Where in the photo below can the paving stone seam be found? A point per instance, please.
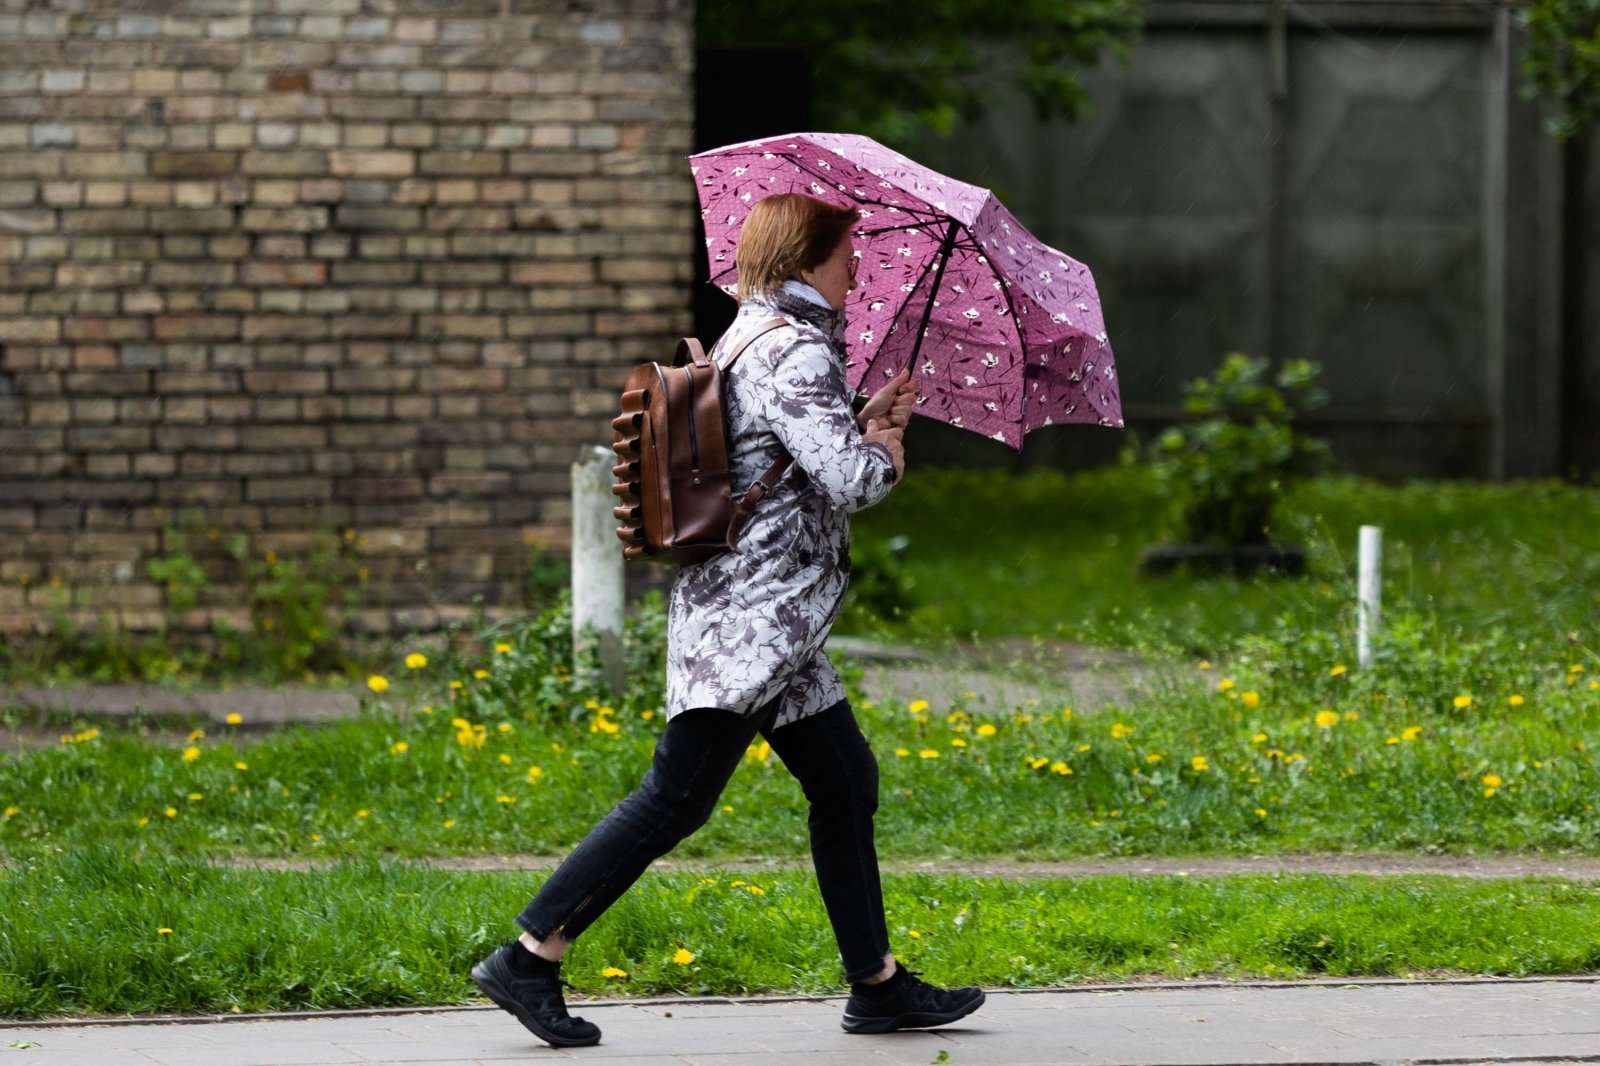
(688, 1001)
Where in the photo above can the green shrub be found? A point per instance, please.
(1225, 470)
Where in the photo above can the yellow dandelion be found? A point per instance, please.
(1489, 792)
(613, 971)
(457, 686)
(1118, 730)
(502, 648)
(957, 742)
(755, 890)
(196, 797)
(683, 956)
(986, 730)
(1492, 780)
(399, 747)
(1251, 699)
(1327, 719)
(647, 714)
(728, 807)
(480, 674)
(1335, 671)
(913, 934)
(1392, 740)
(902, 752)
(377, 682)
(144, 821)
(196, 734)
(1259, 738)
(1225, 684)
(917, 706)
(505, 760)
(1059, 767)
(449, 823)
(605, 725)
(1084, 747)
(1203, 664)
(362, 813)
(12, 812)
(927, 753)
(241, 766)
(1153, 757)
(1034, 764)
(1352, 716)
(171, 812)
(1462, 702)
(191, 753)
(235, 718)
(416, 661)
(1261, 812)
(164, 931)
(1199, 764)
(1411, 732)
(504, 799)
(534, 773)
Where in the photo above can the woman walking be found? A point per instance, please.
(744, 643)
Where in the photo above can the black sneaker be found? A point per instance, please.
(905, 1001)
(535, 999)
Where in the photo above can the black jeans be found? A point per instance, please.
(693, 761)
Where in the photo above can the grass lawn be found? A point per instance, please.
(164, 935)
(1475, 731)
(1055, 556)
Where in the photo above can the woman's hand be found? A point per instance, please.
(889, 437)
(891, 405)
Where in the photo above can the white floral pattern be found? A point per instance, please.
(1030, 312)
(747, 626)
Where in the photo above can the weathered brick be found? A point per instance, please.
(294, 381)
(193, 164)
(196, 327)
(382, 219)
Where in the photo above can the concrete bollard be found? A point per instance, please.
(1369, 591)
(597, 583)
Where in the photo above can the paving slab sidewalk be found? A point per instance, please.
(1216, 1024)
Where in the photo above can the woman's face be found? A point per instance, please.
(836, 275)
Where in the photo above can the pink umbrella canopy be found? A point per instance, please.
(1003, 333)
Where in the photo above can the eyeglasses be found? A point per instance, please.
(851, 264)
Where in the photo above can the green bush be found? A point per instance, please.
(1226, 469)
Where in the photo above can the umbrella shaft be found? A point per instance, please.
(945, 248)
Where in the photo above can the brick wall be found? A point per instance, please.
(372, 268)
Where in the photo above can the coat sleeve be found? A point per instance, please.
(808, 408)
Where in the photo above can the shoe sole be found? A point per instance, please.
(855, 1024)
(492, 988)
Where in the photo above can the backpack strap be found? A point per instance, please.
(766, 327)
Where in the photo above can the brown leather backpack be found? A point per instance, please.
(672, 470)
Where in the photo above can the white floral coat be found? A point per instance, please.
(747, 626)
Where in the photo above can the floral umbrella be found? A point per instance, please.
(1003, 333)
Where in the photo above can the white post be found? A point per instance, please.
(597, 599)
(1369, 591)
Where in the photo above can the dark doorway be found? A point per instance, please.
(741, 94)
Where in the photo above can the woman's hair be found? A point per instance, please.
(785, 234)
